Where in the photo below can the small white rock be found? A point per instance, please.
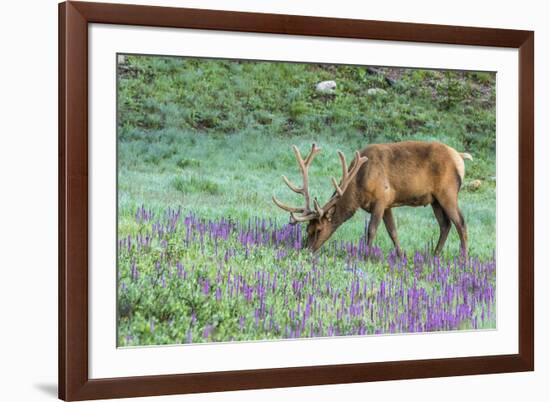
(474, 185)
(326, 87)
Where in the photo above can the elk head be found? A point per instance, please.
(320, 220)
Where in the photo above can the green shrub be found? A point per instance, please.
(186, 163)
(193, 184)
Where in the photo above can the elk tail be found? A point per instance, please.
(466, 155)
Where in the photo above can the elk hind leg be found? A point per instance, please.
(444, 226)
(449, 203)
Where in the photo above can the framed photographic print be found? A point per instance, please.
(260, 200)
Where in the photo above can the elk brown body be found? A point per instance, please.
(382, 177)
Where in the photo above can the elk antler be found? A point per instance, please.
(306, 212)
(347, 177)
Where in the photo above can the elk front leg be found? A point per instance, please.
(375, 217)
(392, 231)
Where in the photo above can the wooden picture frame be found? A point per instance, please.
(74, 381)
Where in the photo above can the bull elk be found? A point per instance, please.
(411, 173)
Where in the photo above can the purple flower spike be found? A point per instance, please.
(207, 331)
(206, 287)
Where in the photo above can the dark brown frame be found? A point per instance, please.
(74, 383)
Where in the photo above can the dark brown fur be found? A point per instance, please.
(405, 173)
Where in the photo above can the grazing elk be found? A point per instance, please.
(409, 173)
